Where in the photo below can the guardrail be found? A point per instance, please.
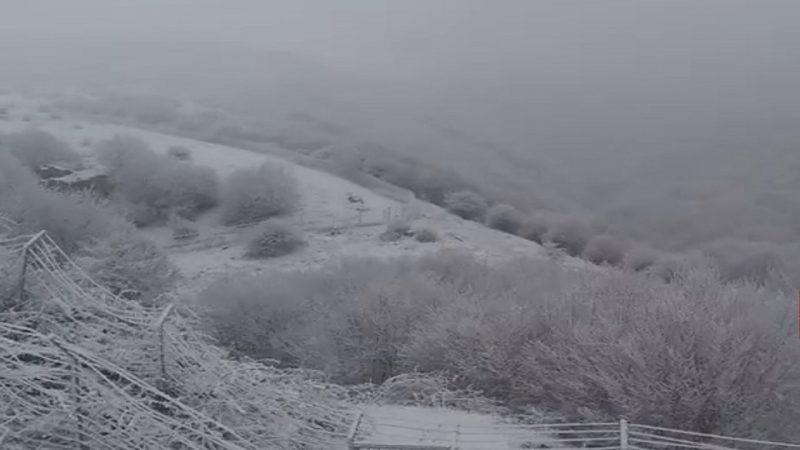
(393, 433)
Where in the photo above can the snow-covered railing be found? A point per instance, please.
(652, 437)
(83, 368)
(394, 433)
(6, 225)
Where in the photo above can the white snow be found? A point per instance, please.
(442, 427)
(333, 226)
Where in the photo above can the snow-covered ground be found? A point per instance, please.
(442, 427)
(334, 226)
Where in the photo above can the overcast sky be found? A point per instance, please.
(560, 73)
(424, 38)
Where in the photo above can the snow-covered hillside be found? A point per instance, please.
(338, 217)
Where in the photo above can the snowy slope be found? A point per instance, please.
(444, 428)
(333, 226)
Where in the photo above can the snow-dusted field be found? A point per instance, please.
(333, 226)
(441, 427)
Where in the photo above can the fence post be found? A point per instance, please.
(351, 436)
(24, 271)
(22, 274)
(623, 434)
(160, 325)
(454, 445)
(76, 390)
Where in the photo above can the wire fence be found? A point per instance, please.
(370, 432)
(6, 225)
(81, 368)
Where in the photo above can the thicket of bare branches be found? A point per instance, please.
(83, 368)
(251, 195)
(153, 187)
(716, 357)
(34, 147)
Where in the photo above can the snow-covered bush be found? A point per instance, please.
(533, 228)
(640, 258)
(426, 235)
(251, 195)
(467, 205)
(107, 245)
(153, 186)
(426, 179)
(180, 153)
(350, 319)
(183, 230)
(665, 267)
(604, 249)
(274, 239)
(396, 230)
(251, 314)
(72, 220)
(9, 276)
(568, 233)
(504, 217)
(128, 265)
(722, 354)
(34, 147)
(757, 262)
(534, 332)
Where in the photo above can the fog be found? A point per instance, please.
(476, 218)
(668, 121)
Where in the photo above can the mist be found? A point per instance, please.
(319, 224)
(645, 115)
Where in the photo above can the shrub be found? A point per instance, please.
(183, 230)
(396, 229)
(426, 235)
(604, 249)
(72, 220)
(9, 276)
(665, 267)
(756, 262)
(251, 315)
(568, 233)
(191, 188)
(180, 153)
(349, 319)
(34, 148)
(640, 258)
(129, 265)
(504, 217)
(467, 205)
(104, 243)
(251, 195)
(717, 352)
(274, 239)
(152, 186)
(425, 180)
(584, 344)
(533, 228)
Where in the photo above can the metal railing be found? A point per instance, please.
(85, 304)
(395, 433)
(123, 368)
